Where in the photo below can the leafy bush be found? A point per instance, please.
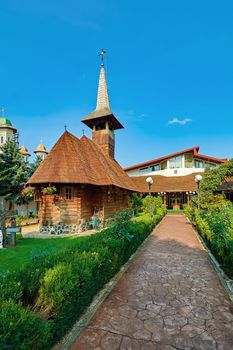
(212, 178)
(136, 202)
(119, 224)
(21, 329)
(215, 220)
(216, 228)
(152, 205)
(11, 287)
(59, 285)
(56, 287)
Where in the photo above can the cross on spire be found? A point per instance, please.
(65, 126)
(102, 53)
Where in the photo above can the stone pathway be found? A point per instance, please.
(169, 298)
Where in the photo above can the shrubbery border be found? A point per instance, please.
(225, 280)
(55, 289)
(70, 337)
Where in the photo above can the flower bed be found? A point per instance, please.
(39, 303)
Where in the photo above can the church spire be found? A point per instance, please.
(102, 121)
(102, 96)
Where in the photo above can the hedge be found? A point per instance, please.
(40, 303)
(216, 228)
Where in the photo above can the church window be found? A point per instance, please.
(69, 193)
(1, 139)
(175, 162)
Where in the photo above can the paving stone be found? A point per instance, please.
(130, 344)
(110, 341)
(90, 339)
(169, 298)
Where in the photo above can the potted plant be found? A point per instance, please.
(27, 193)
(49, 193)
(49, 190)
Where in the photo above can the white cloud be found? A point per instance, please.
(179, 121)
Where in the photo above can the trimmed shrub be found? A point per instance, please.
(11, 287)
(59, 285)
(151, 205)
(119, 224)
(21, 329)
(216, 228)
(56, 287)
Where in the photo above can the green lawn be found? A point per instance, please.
(175, 211)
(13, 258)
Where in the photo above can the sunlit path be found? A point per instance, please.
(170, 298)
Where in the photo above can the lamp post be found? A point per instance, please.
(150, 182)
(198, 179)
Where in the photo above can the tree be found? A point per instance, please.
(151, 205)
(212, 179)
(136, 202)
(14, 172)
(33, 166)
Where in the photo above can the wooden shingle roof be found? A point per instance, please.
(82, 161)
(167, 183)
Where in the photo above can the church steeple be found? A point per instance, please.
(102, 97)
(102, 121)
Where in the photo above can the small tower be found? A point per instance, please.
(24, 152)
(7, 131)
(41, 151)
(102, 121)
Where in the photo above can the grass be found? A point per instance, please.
(175, 211)
(12, 258)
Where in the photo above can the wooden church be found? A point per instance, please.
(87, 179)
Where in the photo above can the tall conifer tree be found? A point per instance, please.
(14, 171)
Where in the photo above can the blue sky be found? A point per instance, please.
(167, 61)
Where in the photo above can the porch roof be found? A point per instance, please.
(167, 183)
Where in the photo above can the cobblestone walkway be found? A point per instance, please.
(169, 298)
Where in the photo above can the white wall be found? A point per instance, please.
(168, 172)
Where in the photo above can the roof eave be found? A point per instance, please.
(98, 115)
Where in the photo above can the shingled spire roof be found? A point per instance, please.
(102, 97)
(80, 161)
(102, 111)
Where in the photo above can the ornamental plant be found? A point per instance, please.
(119, 224)
(27, 193)
(49, 190)
(151, 205)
